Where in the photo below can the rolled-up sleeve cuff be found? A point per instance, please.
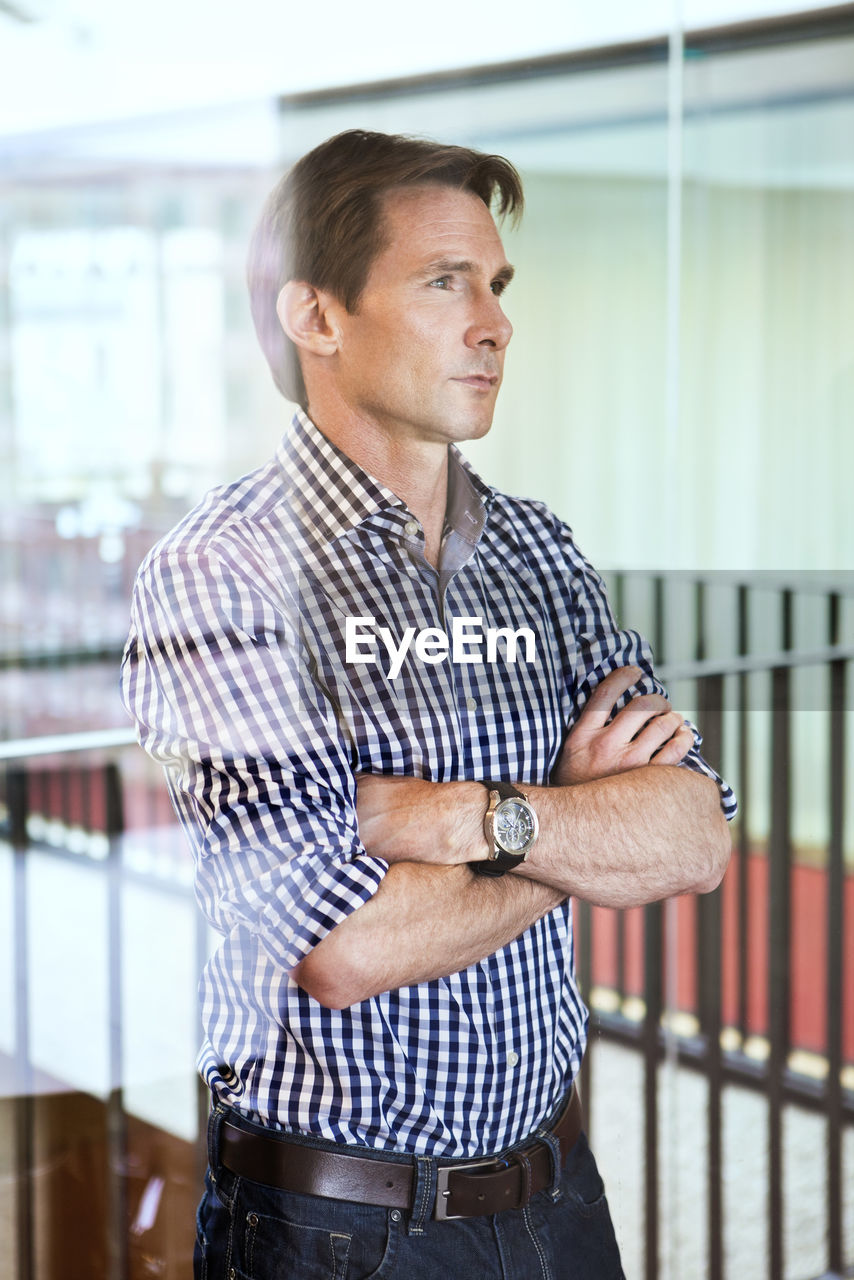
(693, 760)
(306, 905)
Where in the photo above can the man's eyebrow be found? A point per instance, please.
(449, 266)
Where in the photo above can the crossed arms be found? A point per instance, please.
(622, 825)
(234, 713)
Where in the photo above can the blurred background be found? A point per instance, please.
(680, 388)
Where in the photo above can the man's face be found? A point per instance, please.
(423, 355)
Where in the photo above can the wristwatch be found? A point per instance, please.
(511, 829)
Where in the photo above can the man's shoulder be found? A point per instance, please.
(527, 530)
(227, 566)
(531, 510)
(529, 527)
(231, 519)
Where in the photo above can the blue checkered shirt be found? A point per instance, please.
(236, 673)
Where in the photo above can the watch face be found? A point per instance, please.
(514, 826)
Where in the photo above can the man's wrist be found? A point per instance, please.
(472, 808)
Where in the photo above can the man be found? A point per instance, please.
(402, 730)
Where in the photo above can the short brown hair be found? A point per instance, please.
(322, 222)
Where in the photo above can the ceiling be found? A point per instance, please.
(71, 62)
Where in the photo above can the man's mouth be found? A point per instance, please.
(480, 381)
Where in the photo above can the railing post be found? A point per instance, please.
(743, 817)
(779, 945)
(117, 1141)
(835, 950)
(652, 936)
(24, 1109)
(709, 920)
(619, 602)
(659, 622)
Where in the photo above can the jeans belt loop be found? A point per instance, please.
(557, 1161)
(216, 1116)
(424, 1194)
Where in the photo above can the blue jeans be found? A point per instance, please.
(247, 1231)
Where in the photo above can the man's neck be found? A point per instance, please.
(415, 470)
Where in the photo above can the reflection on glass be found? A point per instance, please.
(133, 383)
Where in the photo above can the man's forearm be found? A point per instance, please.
(424, 922)
(631, 838)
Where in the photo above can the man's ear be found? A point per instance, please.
(307, 316)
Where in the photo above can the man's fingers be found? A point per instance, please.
(602, 700)
(629, 722)
(676, 748)
(654, 734)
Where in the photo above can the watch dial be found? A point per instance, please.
(513, 826)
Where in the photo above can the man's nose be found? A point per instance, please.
(490, 326)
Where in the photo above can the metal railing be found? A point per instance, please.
(716, 1048)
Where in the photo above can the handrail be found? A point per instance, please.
(800, 581)
(66, 743)
(35, 659)
(748, 664)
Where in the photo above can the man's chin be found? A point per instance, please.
(469, 426)
(477, 430)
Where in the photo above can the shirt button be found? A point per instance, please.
(512, 1058)
(471, 703)
(411, 528)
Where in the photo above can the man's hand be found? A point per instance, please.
(646, 731)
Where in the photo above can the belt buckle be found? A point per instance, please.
(443, 1173)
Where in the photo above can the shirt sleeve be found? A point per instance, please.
(602, 647)
(219, 683)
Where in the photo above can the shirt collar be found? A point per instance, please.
(468, 498)
(331, 494)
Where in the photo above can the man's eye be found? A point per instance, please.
(498, 287)
(443, 282)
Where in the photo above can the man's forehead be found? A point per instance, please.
(430, 219)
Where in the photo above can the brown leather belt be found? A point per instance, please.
(465, 1188)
